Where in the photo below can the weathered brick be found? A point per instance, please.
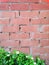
(40, 35)
(33, 28)
(4, 6)
(29, 14)
(4, 36)
(44, 14)
(40, 50)
(29, 43)
(19, 6)
(4, 21)
(15, 36)
(35, 21)
(9, 43)
(29, 0)
(39, 6)
(7, 1)
(39, 21)
(22, 49)
(13, 1)
(4, 0)
(45, 28)
(46, 57)
(20, 21)
(47, 1)
(8, 14)
(24, 25)
(44, 43)
(8, 28)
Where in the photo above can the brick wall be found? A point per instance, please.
(24, 26)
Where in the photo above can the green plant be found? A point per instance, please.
(18, 58)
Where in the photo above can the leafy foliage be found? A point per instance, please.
(18, 58)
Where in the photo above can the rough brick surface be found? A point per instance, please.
(19, 6)
(39, 6)
(24, 26)
(47, 1)
(4, 6)
(29, 0)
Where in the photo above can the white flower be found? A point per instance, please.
(34, 63)
(17, 52)
(9, 52)
(32, 58)
(8, 55)
(26, 56)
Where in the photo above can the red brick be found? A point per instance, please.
(28, 14)
(39, 21)
(19, 1)
(35, 21)
(19, 6)
(40, 50)
(45, 28)
(44, 42)
(47, 50)
(4, 6)
(20, 21)
(40, 35)
(29, 0)
(47, 1)
(22, 49)
(33, 28)
(4, 21)
(44, 14)
(15, 36)
(4, 36)
(8, 28)
(9, 43)
(30, 27)
(45, 57)
(39, 6)
(8, 14)
(6, 1)
(15, 48)
(44, 21)
(13, 0)
(29, 43)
